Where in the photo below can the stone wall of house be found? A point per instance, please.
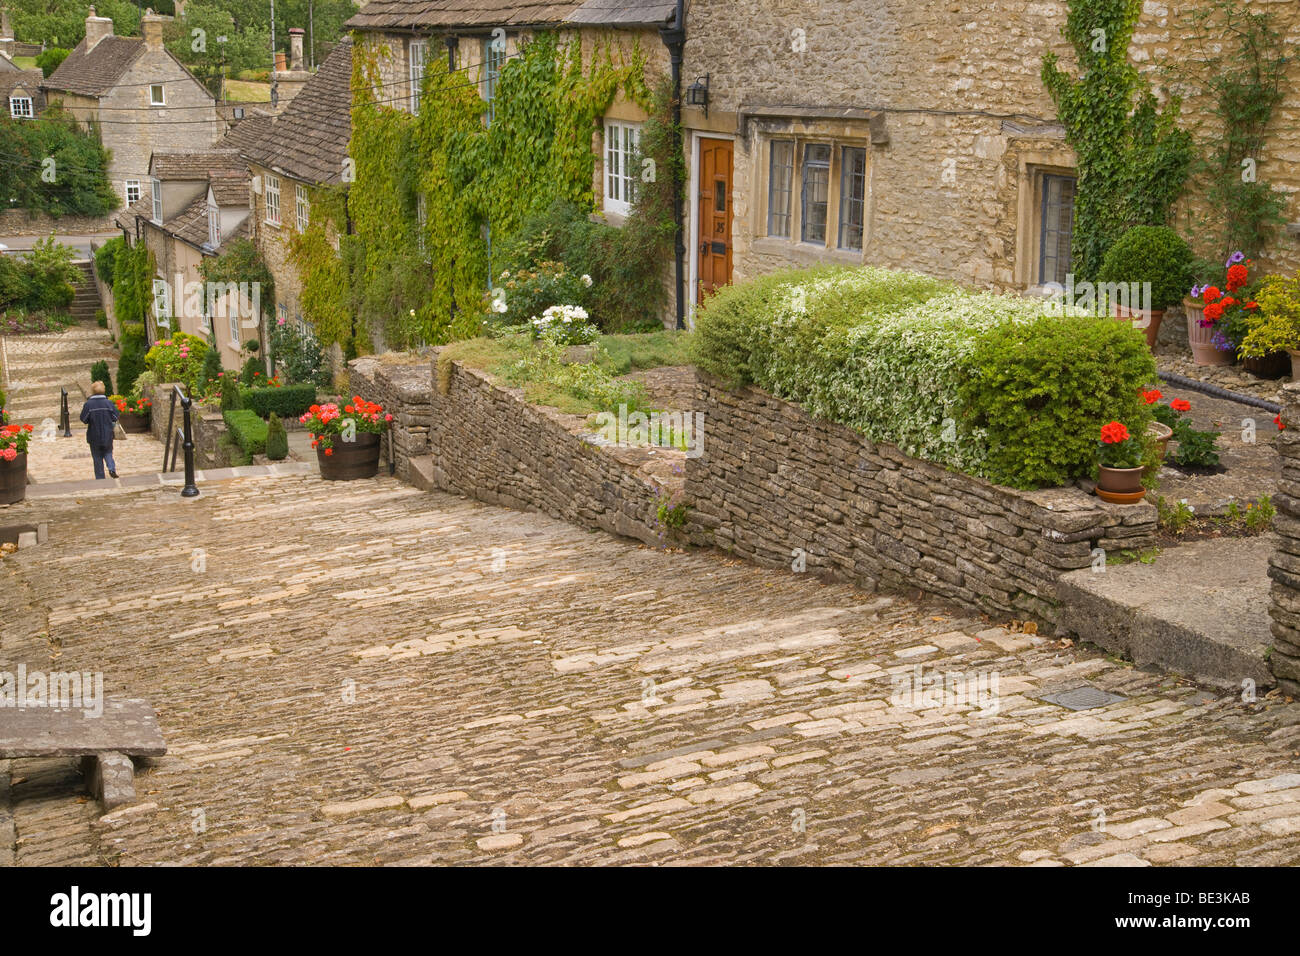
(967, 119)
(1285, 564)
(777, 486)
(133, 129)
(488, 443)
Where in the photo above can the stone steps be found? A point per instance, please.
(1199, 610)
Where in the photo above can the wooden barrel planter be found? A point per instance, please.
(133, 423)
(351, 460)
(1273, 365)
(13, 480)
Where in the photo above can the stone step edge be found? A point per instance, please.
(1129, 631)
(175, 479)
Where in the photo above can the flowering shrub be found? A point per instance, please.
(1230, 312)
(526, 295)
(326, 423)
(566, 324)
(177, 359)
(1276, 326)
(14, 440)
(1119, 449)
(986, 384)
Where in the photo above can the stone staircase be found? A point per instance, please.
(33, 369)
(86, 303)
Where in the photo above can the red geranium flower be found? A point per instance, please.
(328, 452)
(1214, 311)
(1181, 405)
(1113, 433)
(1152, 396)
(1237, 276)
(1211, 294)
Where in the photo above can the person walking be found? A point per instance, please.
(99, 415)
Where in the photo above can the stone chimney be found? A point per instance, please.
(6, 28)
(151, 28)
(7, 46)
(96, 29)
(295, 48)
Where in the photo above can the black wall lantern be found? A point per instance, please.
(697, 94)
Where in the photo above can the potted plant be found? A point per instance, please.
(132, 413)
(13, 462)
(347, 439)
(1159, 429)
(1147, 257)
(1119, 471)
(1274, 327)
(1217, 320)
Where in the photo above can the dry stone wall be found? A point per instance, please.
(1284, 566)
(783, 489)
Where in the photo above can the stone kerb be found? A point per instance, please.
(783, 489)
(1284, 565)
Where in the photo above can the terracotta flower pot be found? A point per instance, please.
(350, 460)
(133, 423)
(13, 480)
(1200, 339)
(1147, 322)
(1273, 365)
(1120, 485)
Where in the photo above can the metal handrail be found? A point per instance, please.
(190, 490)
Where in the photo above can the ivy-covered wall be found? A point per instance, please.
(417, 270)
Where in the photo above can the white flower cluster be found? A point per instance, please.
(557, 314)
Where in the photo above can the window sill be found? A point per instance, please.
(807, 251)
(614, 217)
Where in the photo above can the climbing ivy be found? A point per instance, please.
(1133, 159)
(1242, 66)
(325, 288)
(482, 172)
(133, 273)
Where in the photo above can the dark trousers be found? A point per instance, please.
(102, 454)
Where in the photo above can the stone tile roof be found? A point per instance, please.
(230, 189)
(309, 140)
(143, 207)
(407, 14)
(196, 164)
(7, 65)
(29, 80)
(95, 72)
(625, 13)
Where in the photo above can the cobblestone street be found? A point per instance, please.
(362, 672)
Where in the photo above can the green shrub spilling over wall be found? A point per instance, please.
(985, 384)
(287, 401)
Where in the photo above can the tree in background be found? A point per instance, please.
(75, 183)
(49, 60)
(62, 23)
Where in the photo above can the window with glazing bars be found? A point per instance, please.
(853, 197)
(816, 190)
(1057, 229)
(780, 188)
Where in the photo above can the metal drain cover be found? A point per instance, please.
(1082, 698)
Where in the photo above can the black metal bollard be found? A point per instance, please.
(63, 413)
(191, 490)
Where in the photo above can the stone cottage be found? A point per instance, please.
(198, 202)
(905, 133)
(138, 95)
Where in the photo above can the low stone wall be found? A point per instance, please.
(1284, 566)
(21, 222)
(487, 443)
(209, 429)
(779, 487)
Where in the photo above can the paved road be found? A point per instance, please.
(359, 673)
(79, 242)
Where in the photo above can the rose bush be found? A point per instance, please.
(178, 359)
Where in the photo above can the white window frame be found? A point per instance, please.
(273, 199)
(622, 149)
(417, 54)
(161, 99)
(421, 221)
(214, 226)
(133, 185)
(233, 315)
(18, 111)
(494, 61)
(301, 207)
(156, 185)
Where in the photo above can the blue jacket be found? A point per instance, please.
(100, 415)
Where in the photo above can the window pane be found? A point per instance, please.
(1057, 217)
(780, 187)
(853, 197)
(816, 187)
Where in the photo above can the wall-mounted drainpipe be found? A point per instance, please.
(675, 39)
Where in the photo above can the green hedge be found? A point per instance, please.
(985, 384)
(287, 401)
(247, 429)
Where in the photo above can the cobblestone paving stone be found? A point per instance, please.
(365, 673)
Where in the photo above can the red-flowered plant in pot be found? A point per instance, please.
(14, 440)
(1219, 318)
(132, 413)
(1119, 469)
(347, 439)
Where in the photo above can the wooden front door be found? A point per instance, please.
(715, 214)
